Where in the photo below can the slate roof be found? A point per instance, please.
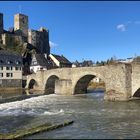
(9, 58)
(62, 59)
(42, 61)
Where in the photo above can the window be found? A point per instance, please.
(1, 68)
(9, 74)
(1, 61)
(18, 62)
(17, 68)
(9, 68)
(23, 20)
(34, 62)
(9, 62)
(1, 74)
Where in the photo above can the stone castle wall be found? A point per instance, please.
(21, 24)
(39, 39)
(1, 23)
(12, 39)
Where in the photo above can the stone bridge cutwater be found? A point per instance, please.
(122, 81)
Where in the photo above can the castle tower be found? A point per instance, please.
(45, 37)
(1, 23)
(21, 24)
(40, 40)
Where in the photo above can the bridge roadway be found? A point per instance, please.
(122, 81)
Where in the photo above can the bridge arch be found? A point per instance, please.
(50, 84)
(82, 83)
(137, 93)
(32, 84)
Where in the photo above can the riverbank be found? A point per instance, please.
(95, 85)
(34, 130)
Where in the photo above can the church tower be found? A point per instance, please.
(21, 24)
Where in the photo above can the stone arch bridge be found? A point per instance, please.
(122, 81)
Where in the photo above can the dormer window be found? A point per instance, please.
(1, 61)
(9, 62)
(17, 62)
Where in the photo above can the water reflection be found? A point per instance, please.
(17, 95)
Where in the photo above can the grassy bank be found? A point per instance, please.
(95, 85)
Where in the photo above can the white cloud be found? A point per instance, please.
(121, 27)
(52, 44)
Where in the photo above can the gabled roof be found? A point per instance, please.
(62, 59)
(41, 60)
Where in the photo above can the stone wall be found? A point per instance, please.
(21, 24)
(40, 40)
(11, 40)
(117, 80)
(63, 87)
(10, 83)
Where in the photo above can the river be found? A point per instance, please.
(93, 117)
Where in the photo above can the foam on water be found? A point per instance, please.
(32, 106)
(54, 113)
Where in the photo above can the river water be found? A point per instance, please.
(93, 117)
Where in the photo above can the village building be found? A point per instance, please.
(60, 61)
(40, 62)
(10, 70)
(127, 60)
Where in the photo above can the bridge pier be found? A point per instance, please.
(113, 95)
(119, 83)
(63, 87)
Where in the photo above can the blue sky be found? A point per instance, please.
(83, 30)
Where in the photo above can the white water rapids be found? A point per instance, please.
(31, 106)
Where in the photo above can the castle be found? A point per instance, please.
(21, 35)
